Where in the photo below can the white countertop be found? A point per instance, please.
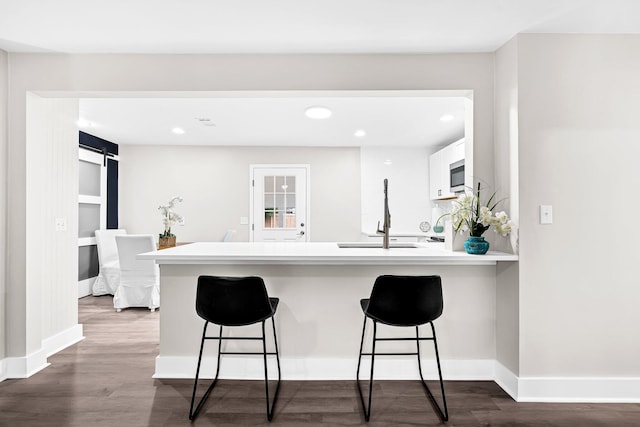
(317, 253)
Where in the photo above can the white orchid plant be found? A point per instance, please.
(469, 214)
(169, 217)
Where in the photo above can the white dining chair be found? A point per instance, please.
(228, 236)
(109, 265)
(139, 279)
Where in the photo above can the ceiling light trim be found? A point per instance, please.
(318, 112)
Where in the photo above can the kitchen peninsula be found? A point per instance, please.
(319, 320)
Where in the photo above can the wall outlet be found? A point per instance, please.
(61, 224)
(546, 214)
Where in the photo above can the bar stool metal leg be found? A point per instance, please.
(235, 301)
(403, 301)
(192, 413)
(266, 375)
(275, 342)
(443, 415)
(366, 408)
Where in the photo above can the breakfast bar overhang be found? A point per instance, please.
(319, 320)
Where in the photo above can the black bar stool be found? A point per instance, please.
(235, 301)
(403, 301)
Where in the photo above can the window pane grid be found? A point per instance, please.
(279, 202)
(88, 219)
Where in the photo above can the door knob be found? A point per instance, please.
(301, 233)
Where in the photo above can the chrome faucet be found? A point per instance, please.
(387, 218)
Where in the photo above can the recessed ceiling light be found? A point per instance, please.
(388, 162)
(360, 133)
(318, 112)
(177, 131)
(206, 121)
(446, 118)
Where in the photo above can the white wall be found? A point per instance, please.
(408, 174)
(506, 182)
(41, 310)
(579, 143)
(4, 79)
(214, 183)
(52, 192)
(68, 75)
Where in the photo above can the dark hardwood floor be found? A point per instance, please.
(105, 380)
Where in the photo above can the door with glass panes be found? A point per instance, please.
(279, 203)
(92, 215)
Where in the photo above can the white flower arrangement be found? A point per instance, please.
(469, 214)
(169, 217)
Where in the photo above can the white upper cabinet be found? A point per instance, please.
(438, 179)
(457, 151)
(439, 170)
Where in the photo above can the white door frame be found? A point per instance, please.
(85, 286)
(252, 168)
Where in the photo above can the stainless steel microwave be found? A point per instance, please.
(456, 176)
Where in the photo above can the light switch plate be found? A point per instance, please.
(244, 220)
(546, 214)
(61, 224)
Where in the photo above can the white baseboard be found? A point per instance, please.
(506, 379)
(584, 389)
(552, 389)
(24, 367)
(62, 340)
(3, 370)
(521, 389)
(568, 389)
(85, 287)
(246, 367)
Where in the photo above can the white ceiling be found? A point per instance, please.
(289, 26)
(298, 26)
(409, 120)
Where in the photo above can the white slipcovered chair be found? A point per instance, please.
(228, 236)
(139, 279)
(109, 274)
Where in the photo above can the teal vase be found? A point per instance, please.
(476, 245)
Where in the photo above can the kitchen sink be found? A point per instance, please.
(377, 245)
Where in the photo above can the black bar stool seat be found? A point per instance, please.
(235, 301)
(410, 301)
